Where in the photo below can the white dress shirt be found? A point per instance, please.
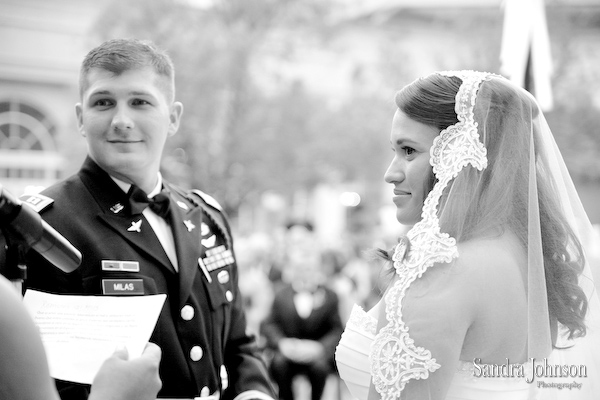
(160, 227)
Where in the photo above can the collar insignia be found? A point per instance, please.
(208, 242)
(135, 226)
(117, 208)
(189, 225)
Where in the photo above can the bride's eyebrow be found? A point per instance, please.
(405, 142)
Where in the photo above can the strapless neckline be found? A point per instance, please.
(353, 362)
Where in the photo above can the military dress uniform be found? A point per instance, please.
(201, 329)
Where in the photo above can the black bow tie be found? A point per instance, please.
(138, 201)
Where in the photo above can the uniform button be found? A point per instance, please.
(229, 295)
(223, 277)
(196, 353)
(187, 312)
(224, 377)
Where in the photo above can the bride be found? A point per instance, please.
(491, 292)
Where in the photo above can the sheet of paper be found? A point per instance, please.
(80, 332)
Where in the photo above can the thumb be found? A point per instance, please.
(121, 352)
(152, 352)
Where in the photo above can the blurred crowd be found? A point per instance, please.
(298, 296)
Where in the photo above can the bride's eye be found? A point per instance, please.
(408, 150)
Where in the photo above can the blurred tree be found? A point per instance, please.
(575, 120)
(237, 138)
(249, 126)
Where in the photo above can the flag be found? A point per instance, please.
(525, 52)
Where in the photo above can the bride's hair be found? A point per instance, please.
(485, 203)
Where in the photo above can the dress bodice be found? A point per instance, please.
(352, 353)
(352, 358)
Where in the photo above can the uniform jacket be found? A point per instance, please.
(201, 329)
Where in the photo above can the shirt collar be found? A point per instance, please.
(126, 186)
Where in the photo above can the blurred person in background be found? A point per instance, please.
(333, 263)
(362, 278)
(304, 324)
(256, 288)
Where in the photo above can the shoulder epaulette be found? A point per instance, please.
(37, 201)
(208, 199)
(214, 211)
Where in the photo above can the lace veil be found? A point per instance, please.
(499, 179)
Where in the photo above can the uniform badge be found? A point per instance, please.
(204, 229)
(218, 257)
(36, 201)
(189, 225)
(117, 208)
(209, 242)
(122, 286)
(135, 226)
(209, 239)
(126, 266)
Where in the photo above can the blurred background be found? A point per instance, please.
(288, 103)
(288, 106)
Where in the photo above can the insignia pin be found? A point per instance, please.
(117, 208)
(208, 242)
(189, 225)
(204, 229)
(135, 226)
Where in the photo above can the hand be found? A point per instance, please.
(303, 351)
(122, 379)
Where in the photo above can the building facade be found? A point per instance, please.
(41, 46)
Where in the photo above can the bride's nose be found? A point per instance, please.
(395, 172)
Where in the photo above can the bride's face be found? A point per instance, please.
(410, 170)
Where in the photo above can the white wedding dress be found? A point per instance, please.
(352, 358)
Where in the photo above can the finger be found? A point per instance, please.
(121, 352)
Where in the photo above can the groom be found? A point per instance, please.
(140, 235)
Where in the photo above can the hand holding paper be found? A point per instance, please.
(138, 378)
(80, 332)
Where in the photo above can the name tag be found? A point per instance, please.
(122, 286)
(113, 265)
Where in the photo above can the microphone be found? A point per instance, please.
(28, 226)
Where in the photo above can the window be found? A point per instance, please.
(23, 127)
(28, 154)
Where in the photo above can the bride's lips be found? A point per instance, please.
(400, 196)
